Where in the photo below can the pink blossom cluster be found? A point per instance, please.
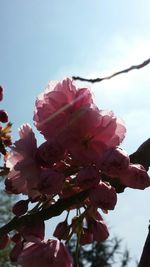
(80, 151)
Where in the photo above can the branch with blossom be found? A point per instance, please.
(64, 204)
(80, 166)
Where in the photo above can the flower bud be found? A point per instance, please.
(1, 93)
(103, 196)
(3, 116)
(99, 230)
(86, 237)
(20, 207)
(135, 177)
(115, 161)
(61, 231)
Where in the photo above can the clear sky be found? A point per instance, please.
(51, 39)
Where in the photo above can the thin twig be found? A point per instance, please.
(134, 67)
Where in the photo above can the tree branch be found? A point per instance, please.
(45, 214)
(145, 258)
(142, 155)
(139, 66)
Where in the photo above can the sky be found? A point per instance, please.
(51, 39)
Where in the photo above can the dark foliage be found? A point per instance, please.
(6, 203)
(104, 254)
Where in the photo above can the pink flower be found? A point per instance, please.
(55, 105)
(103, 196)
(62, 230)
(69, 189)
(99, 230)
(135, 177)
(51, 182)
(28, 234)
(50, 152)
(15, 182)
(24, 171)
(86, 237)
(88, 177)
(46, 253)
(97, 227)
(69, 115)
(119, 133)
(115, 160)
(34, 231)
(91, 133)
(83, 98)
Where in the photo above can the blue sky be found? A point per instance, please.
(43, 40)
